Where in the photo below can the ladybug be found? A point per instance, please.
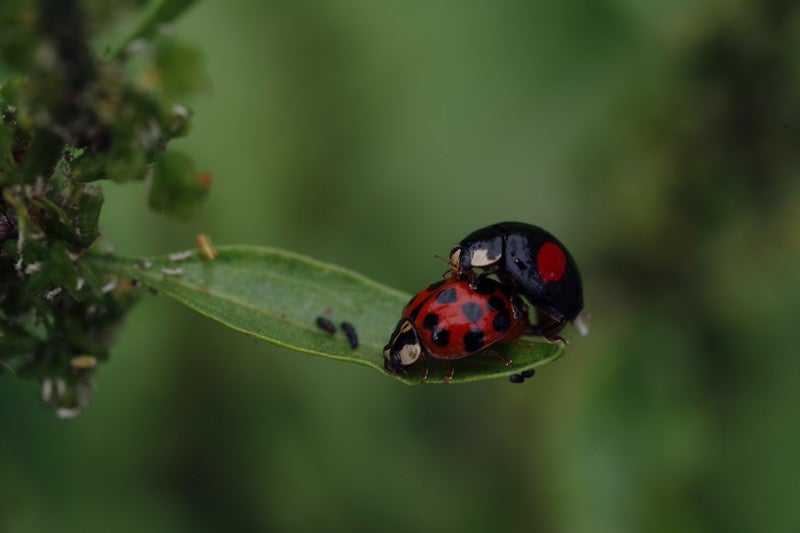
(454, 318)
(531, 260)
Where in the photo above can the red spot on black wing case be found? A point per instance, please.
(551, 262)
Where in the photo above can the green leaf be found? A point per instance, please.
(277, 295)
(181, 69)
(177, 189)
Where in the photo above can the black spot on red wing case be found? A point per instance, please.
(472, 311)
(496, 303)
(473, 341)
(440, 337)
(430, 321)
(485, 286)
(447, 296)
(502, 321)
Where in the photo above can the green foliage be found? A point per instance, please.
(658, 139)
(72, 115)
(276, 296)
(164, 13)
(177, 188)
(68, 117)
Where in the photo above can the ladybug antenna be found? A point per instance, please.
(449, 270)
(445, 259)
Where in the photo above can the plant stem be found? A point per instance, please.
(62, 24)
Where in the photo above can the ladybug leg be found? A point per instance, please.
(524, 311)
(395, 370)
(548, 328)
(549, 337)
(449, 376)
(506, 360)
(424, 376)
(475, 278)
(471, 276)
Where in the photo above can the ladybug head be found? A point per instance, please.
(455, 258)
(479, 249)
(404, 347)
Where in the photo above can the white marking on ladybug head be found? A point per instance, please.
(481, 258)
(409, 353)
(455, 257)
(404, 347)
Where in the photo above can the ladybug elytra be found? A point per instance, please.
(452, 319)
(531, 260)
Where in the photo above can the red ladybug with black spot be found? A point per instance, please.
(452, 319)
(532, 261)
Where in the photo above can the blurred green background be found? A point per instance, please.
(659, 140)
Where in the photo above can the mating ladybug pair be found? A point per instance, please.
(467, 312)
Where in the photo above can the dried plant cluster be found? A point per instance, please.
(74, 112)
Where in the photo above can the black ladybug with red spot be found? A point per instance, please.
(468, 312)
(532, 261)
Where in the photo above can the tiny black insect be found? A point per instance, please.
(326, 324)
(522, 376)
(350, 331)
